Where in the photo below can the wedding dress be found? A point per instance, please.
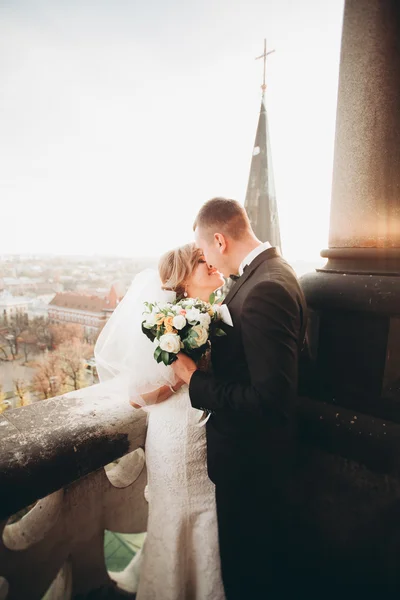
(181, 553)
(181, 556)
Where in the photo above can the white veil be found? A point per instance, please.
(122, 352)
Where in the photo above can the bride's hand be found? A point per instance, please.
(160, 395)
(167, 391)
(132, 403)
(178, 384)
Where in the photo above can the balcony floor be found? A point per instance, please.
(120, 548)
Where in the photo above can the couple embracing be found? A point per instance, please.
(220, 438)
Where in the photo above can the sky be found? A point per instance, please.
(119, 118)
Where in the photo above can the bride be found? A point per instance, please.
(181, 553)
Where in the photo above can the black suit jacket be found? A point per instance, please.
(252, 389)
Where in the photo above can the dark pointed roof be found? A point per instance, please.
(260, 200)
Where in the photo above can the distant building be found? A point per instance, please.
(39, 307)
(18, 285)
(48, 287)
(28, 285)
(87, 310)
(10, 305)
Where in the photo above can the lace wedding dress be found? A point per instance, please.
(181, 553)
(180, 558)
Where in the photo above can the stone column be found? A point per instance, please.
(365, 211)
(349, 481)
(355, 299)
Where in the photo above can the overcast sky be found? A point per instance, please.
(118, 119)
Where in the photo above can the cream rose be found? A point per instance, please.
(202, 335)
(205, 320)
(170, 342)
(179, 322)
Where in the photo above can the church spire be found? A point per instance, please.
(260, 200)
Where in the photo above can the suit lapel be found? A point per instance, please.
(266, 255)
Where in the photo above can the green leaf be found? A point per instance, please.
(165, 357)
(148, 333)
(212, 298)
(157, 352)
(220, 332)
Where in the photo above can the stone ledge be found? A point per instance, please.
(362, 292)
(49, 444)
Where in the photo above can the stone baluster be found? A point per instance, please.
(55, 452)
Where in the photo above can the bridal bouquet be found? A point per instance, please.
(181, 326)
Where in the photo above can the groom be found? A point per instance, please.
(250, 395)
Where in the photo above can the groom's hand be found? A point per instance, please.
(184, 367)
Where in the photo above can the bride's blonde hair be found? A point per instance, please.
(176, 266)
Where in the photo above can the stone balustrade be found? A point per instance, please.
(54, 453)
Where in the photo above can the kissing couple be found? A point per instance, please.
(220, 438)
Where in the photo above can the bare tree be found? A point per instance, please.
(90, 335)
(72, 357)
(10, 335)
(48, 380)
(28, 342)
(18, 324)
(7, 342)
(3, 350)
(40, 328)
(3, 402)
(21, 390)
(63, 369)
(65, 332)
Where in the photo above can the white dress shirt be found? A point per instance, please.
(252, 255)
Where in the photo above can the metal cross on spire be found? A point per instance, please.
(264, 56)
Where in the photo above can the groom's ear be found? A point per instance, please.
(220, 242)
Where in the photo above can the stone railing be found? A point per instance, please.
(54, 453)
(341, 510)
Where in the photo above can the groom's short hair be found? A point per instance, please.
(222, 215)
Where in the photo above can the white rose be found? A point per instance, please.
(202, 335)
(150, 319)
(205, 320)
(179, 322)
(170, 342)
(156, 342)
(163, 306)
(192, 315)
